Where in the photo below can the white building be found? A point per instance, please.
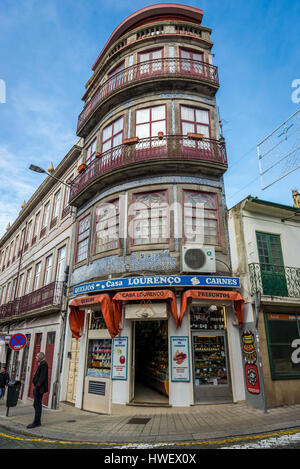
(265, 254)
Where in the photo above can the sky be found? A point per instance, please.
(49, 46)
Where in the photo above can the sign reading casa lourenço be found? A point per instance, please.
(158, 281)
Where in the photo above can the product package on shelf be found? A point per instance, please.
(207, 317)
(99, 358)
(209, 360)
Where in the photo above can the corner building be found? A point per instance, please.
(154, 309)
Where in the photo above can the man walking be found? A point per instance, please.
(4, 379)
(40, 382)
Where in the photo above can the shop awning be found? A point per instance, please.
(215, 295)
(160, 295)
(77, 313)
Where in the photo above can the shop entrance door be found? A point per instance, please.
(212, 382)
(150, 360)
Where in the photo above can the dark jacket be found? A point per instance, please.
(4, 378)
(40, 379)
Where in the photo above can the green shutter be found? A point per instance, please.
(271, 264)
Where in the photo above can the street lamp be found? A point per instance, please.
(38, 169)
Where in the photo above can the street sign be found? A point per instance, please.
(17, 342)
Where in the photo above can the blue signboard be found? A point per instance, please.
(158, 281)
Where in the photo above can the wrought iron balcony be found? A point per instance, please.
(147, 71)
(165, 148)
(49, 295)
(275, 280)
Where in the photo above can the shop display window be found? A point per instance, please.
(96, 321)
(99, 358)
(207, 317)
(283, 335)
(210, 367)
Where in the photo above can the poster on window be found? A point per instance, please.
(120, 358)
(180, 364)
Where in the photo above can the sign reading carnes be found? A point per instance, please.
(158, 281)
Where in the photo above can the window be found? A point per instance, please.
(151, 223)
(28, 281)
(45, 217)
(48, 269)
(112, 138)
(8, 292)
(20, 286)
(90, 152)
(271, 264)
(14, 288)
(283, 336)
(56, 205)
(37, 274)
(36, 227)
(195, 121)
(191, 62)
(83, 238)
(107, 226)
(116, 77)
(28, 236)
(3, 295)
(150, 62)
(149, 122)
(200, 217)
(60, 264)
(66, 206)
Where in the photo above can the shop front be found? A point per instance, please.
(163, 347)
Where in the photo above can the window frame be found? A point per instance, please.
(109, 154)
(48, 270)
(195, 108)
(275, 375)
(88, 215)
(217, 218)
(134, 220)
(88, 159)
(150, 72)
(117, 224)
(191, 61)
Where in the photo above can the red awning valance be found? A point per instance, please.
(76, 317)
(161, 295)
(213, 296)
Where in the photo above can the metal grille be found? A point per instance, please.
(194, 258)
(96, 387)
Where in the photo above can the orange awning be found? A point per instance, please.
(76, 317)
(212, 295)
(161, 295)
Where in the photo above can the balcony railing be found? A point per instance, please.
(145, 71)
(149, 149)
(275, 280)
(49, 295)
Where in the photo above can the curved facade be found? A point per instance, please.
(151, 209)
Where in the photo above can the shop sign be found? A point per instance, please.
(120, 358)
(180, 359)
(146, 310)
(250, 357)
(159, 281)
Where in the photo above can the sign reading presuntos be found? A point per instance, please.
(158, 281)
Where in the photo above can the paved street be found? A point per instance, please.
(129, 427)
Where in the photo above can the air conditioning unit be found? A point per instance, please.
(198, 259)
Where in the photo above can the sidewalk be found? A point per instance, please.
(156, 424)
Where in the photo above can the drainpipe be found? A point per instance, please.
(56, 384)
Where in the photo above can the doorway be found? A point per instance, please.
(151, 370)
